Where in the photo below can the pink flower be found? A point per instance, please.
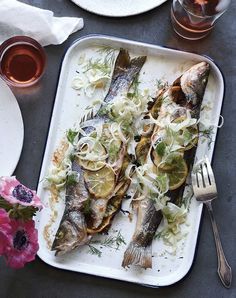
(5, 231)
(24, 244)
(16, 193)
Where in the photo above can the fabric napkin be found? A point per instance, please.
(17, 18)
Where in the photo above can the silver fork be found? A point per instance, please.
(204, 188)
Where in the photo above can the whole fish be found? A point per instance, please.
(125, 72)
(185, 93)
(73, 230)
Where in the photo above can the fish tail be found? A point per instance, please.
(139, 255)
(124, 73)
(122, 62)
(137, 63)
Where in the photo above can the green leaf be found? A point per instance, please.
(94, 251)
(71, 134)
(161, 148)
(71, 179)
(5, 205)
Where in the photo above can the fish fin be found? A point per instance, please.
(138, 63)
(124, 73)
(138, 255)
(122, 62)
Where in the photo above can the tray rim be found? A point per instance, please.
(108, 38)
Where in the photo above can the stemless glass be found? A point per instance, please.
(22, 61)
(194, 19)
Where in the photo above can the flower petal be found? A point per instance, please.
(16, 193)
(5, 232)
(24, 244)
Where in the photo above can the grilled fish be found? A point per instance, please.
(73, 229)
(125, 72)
(186, 93)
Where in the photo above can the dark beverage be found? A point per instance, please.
(194, 19)
(22, 62)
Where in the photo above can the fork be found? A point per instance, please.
(204, 188)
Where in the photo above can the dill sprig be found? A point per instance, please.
(113, 242)
(161, 84)
(134, 89)
(94, 251)
(208, 134)
(104, 64)
(109, 53)
(97, 64)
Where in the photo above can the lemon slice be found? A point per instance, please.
(178, 172)
(168, 163)
(100, 183)
(90, 165)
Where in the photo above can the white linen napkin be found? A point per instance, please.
(17, 18)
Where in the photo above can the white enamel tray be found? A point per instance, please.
(168, 268)
(118, 8)
(11, 130)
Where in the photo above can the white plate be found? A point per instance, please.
(11, 130)
(118, 8)
(69, 106)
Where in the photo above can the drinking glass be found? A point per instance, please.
(22, 61)
(194, 19)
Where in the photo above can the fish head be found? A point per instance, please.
(71, 233)
(193, 83)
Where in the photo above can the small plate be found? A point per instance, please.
(11, 131)
(118, 8)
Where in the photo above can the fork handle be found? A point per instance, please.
(224, 270)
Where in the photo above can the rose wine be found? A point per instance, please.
(194, 19)
(22, 63)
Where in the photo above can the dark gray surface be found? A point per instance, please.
(40, 280)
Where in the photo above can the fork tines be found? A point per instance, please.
(203, 180)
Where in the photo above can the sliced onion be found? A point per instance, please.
(128, 171)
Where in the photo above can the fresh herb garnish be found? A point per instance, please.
(134, 89)
(86, 207)
(113, 242)
(104, 64)
(71, 134)
(71, 179)
(94, 251)
(161, 84)
(208, 134)
(161, 148)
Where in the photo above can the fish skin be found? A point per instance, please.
(139, 251)
(125, 72)
(72, 231)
